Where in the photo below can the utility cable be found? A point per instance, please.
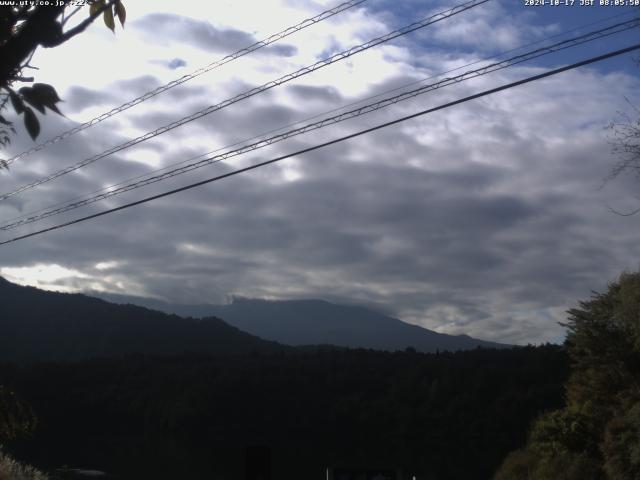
(321, 114)
(332, 142)
(185, 78)
(8, 224)
(254, 91)
(110, 192)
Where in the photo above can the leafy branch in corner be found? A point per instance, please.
(24, 28)
(625, 145)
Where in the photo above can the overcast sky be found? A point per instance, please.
(489, 218)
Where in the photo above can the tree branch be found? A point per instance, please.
(82, 26)
(67, 17)
(41, 28)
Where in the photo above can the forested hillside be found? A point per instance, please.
(438, 416)
(596, 435)
(36, 325)
(313, 322)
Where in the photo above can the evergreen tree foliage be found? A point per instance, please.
(437, 416)
(596, 435)
(16, 419)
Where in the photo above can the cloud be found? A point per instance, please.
(176, 63)
(450, 233)
(78, 98)
(485, 29)
(310, 93)
(485, 218)
(172, 64)
(164, 28)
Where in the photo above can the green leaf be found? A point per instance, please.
(47, 93)
(54, 108)
(108, 20)
(41, 95)
(32, 98)
(121, 12)
(16, 101)
(31, 123)
(95, 6)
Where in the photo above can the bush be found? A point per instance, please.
(10, 469)
(597, 435)
(16, 419)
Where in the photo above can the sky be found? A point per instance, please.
(490, 218)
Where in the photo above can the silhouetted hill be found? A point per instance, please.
(39, 325)
(314, 322)
(447, 416)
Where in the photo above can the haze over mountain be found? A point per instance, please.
(37, 325)
(312, 322)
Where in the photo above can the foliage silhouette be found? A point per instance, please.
(25, 26)
(440, 416)
(597, 434)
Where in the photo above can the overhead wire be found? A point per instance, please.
(8, 223)
(185, 78)
(343, 107)
(332, 142)
(254, 91)
(515, 60)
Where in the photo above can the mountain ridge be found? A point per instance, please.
(315, 321)
(38, 325)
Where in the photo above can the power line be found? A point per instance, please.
(9, 224)
(107, 193)
(185, 78)
(254, 91)
(334, 141)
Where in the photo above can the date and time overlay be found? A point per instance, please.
(526, 3)
(581, 3)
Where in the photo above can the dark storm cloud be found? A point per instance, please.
(164, 27)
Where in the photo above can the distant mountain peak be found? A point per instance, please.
(277, 301)
(319, 322)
